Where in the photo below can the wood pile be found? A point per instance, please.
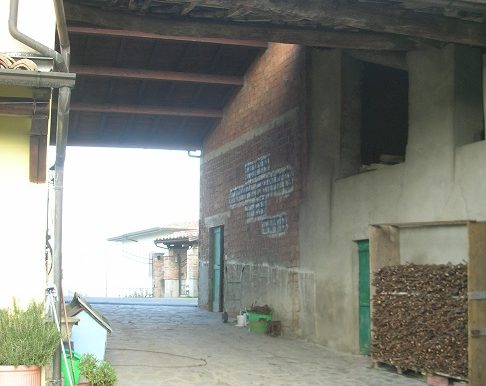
(420, 318)
(261, 309)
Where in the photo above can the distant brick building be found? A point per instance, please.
(135, 252)
(175, 268)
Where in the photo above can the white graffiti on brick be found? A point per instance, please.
(261, 183)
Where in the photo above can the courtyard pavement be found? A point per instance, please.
(163, 343)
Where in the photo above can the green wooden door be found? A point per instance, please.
(364, 297)
(217, 261)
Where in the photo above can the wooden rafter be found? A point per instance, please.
(23, 108)
(113, 72)
(150, 26)
(146, 110)
(125, 33)
(111, 89)
(144, 138)
(369, 17)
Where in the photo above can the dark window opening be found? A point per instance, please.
(384, 109)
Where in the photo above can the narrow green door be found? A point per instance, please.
(364, 297)
(217, 261)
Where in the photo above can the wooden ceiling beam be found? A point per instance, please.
(115, 72)
(311, 37)
(26, 109)
(144, 139)
(146, 110)
(369, 17)
(126, 33)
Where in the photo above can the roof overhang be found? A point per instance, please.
(159, 73)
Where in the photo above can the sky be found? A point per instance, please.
(112, 191)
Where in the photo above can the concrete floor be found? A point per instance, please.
(178, 344)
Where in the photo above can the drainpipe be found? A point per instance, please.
(61, 143)
(62, 32)
(32, 43)
(62, 63)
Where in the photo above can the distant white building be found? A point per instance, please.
(130, 261)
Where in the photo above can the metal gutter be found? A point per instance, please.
(37, 79)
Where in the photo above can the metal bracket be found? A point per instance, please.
(478, 332)
(477, 295)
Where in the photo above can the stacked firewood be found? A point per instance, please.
(261, 309)
(420, 318)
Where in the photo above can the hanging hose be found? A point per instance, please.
(68, 333)
(51, 295)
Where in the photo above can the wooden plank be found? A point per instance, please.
(38, 136)
(38, 159)
(157, 75)
(427, 224)
(477, 307)
(370, 17)
(155, 36)
(236, 31)
(17, 108)
(146, 110)
(139, 141)
(26, 108)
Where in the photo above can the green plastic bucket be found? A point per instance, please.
(258, 322)
(75, 368)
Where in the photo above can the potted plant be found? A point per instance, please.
(27, 343)
(97, 373)
(87, 367)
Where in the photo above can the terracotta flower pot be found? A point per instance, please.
(20, 376)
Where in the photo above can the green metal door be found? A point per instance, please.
(364, 297)
(217, 261)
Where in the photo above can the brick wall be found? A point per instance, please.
(171, 265)
(251, 179)
(193, 263)
(157, 274)
(272, 87)
(167, 268)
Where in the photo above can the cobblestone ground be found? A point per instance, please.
(183, 345)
